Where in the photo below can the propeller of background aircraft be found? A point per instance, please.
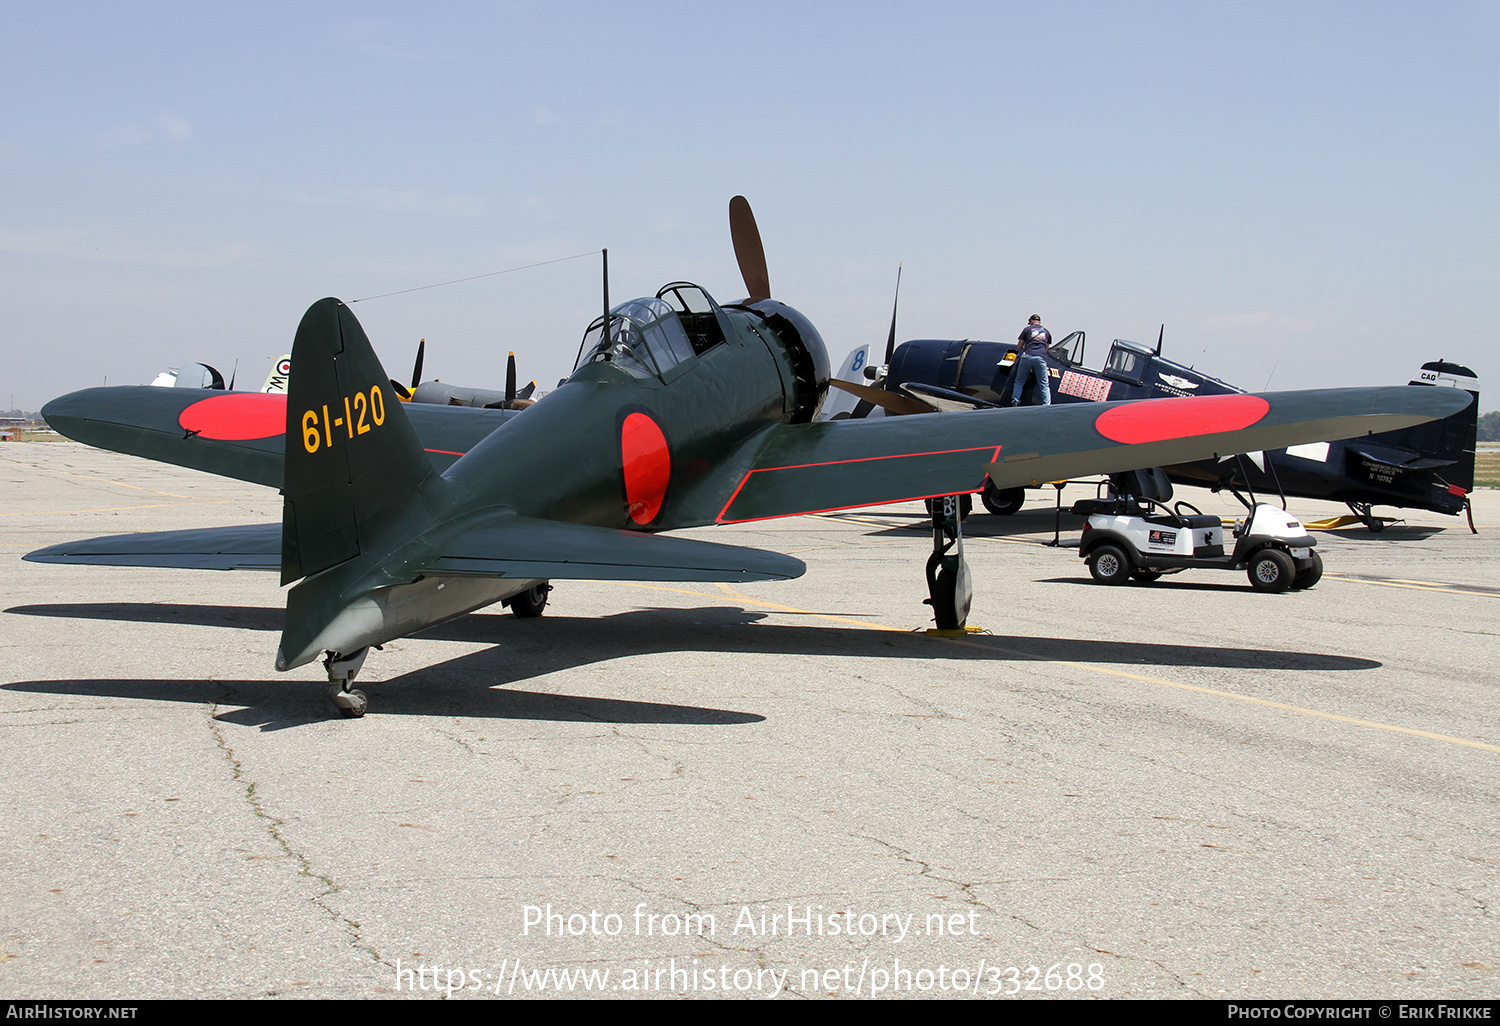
(405, 394)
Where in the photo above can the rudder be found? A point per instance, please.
(1452, 438)
(351, 453)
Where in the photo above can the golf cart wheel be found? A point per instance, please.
(1145, 576)
(1312, 575)
(1108, 564)
(530, 602)
(1271, 570)
(1002, 502)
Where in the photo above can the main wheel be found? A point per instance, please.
(1109, 565)
(965, 506)
(1312, 575)
(351, 704)
(530, 602)
(1271, 570)
(1002, 502)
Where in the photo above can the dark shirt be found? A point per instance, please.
(1034, 340)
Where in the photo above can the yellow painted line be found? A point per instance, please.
(1140, 678)
(1447, 589)
(116, 509)
(88, 477)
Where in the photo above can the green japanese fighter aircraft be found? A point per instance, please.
(680, 412)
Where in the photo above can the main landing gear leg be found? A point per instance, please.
(342, 670)
(1366, 515)
(948, 586)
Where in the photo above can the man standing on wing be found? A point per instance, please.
(1031, 360)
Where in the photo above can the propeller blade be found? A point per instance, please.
(416, 371)
(510, 379)
(525, 393)
(402, 392)
(748, 250)
(890, 341)
(895, 402)
(1159, 336)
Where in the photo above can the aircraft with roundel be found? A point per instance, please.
(680, 412)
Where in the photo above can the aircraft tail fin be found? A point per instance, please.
(352, 456)
(1449, 443)
(280, 373)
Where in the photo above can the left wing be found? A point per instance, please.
(233, 434)
(810, 468)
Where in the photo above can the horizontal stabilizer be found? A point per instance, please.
(254, 547)
(1402, 459)
(510, 546)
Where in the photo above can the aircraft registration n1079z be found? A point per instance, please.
(680, 413)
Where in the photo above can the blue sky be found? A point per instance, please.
(1309, 188)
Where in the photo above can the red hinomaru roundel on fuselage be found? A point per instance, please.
(647, 466)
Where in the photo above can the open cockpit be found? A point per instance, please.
(661, 336)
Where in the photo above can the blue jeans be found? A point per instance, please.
(1031, 366)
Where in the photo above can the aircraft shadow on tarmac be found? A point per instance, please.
(1041, 521)
(479, 684)
(1392, 533)
(1193, 580)
(978, 525)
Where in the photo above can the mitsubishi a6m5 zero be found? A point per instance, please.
(680, 412)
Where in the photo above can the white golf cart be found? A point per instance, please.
(1131, 534)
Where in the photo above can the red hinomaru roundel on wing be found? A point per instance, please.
(648, 465)
(1157, 420)
(236, 418)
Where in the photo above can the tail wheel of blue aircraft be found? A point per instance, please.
(530, 602)
(1002, 501)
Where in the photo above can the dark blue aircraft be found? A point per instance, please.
(1426, 467)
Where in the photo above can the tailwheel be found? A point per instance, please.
(1367, 517)
(342, 670)
(351, 704)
